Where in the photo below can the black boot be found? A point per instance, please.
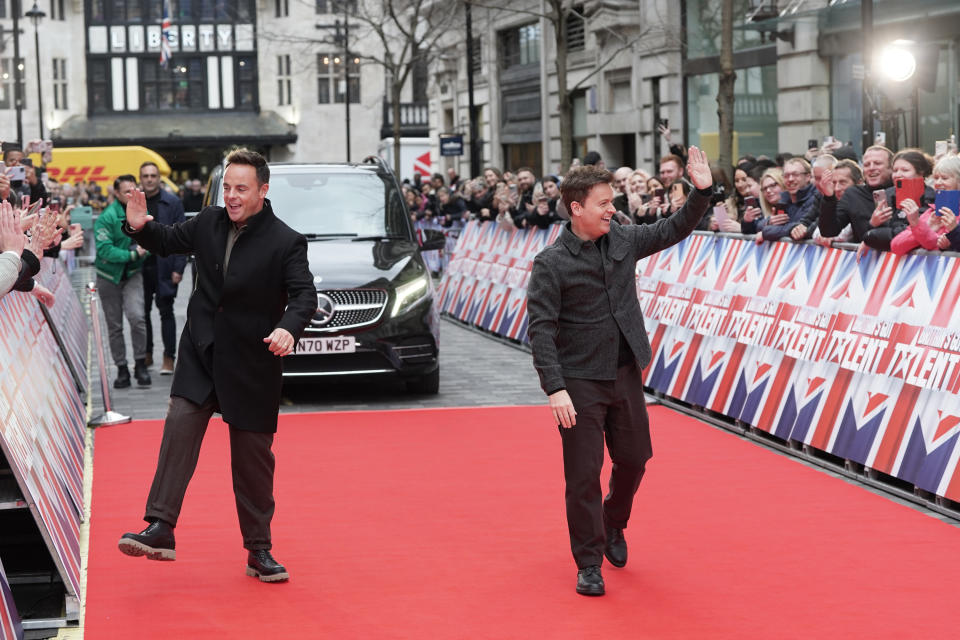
(140, 373)
(260, 564)
(156, 542)
(123, 377)
(590, 581)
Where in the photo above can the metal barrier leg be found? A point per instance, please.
(108, 417)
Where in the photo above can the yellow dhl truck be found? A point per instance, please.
(102, 165)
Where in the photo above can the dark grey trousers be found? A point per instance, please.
(119, 300)
(615, 410)
(251, 461)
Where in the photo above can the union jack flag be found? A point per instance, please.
(165, 36)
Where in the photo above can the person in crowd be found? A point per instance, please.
(820, 164)
(620, 178)
(857, 208)
(193, 196)
(526, 181)
(551, 188)
(833, 184)
(161, 276)
(637, 197)
(888, 220)
(505, 202)
(415, 203)
(119, 264)
(33, 185)
(799, 202)
(744, 205)
(656, 205)
(21, 258)
(924, 229)
(483, 199)
(671, 170)
(255, 295)
(451, 209)
(674, 148)
(543, 215)
(593, 378)
(592, 158)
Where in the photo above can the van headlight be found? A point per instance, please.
(411, 293)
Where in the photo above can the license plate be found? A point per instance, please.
(334, 344)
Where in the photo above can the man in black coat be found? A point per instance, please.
(858, 207)
(161, 275)
(254, 297)
(589, 346)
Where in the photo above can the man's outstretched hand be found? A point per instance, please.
(137, 215)
(698, 168)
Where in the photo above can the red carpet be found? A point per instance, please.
(449, 524)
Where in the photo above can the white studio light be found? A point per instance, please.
(897, 62)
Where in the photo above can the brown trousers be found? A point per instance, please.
(251, 461)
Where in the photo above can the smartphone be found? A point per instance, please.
(646, 197)
(949, 198)
(750, 201)
(828, 140)
(659, 193)
(54, 208)
(881, 138)
(17, 173)
(34, 207)
(879, 197)
(513, 189)
(909, 189)
(780, 208)
(940, 147)
(813, 144)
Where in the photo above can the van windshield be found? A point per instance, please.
(332, 204)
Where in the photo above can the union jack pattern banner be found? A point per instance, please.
(42, 427)
(858, 359)
(10, 626)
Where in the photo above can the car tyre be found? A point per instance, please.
(428, 384)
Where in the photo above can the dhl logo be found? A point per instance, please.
(72, 174)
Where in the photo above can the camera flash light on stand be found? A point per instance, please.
(897, 61)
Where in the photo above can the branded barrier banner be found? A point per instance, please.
(42, 423)
(67, 319)
(10, 626)
(855, 358)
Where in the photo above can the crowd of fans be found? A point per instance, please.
(883, 201)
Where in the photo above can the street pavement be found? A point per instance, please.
(476, 369)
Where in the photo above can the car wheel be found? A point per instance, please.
(428, 384)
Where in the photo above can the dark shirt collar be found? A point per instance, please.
(572, 241)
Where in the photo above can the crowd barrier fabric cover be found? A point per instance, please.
(69, 319)
(42, 426)
(10, 627)
(858, 359)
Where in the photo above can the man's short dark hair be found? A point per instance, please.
(124, 178)
(149, 163)
(855, 173)
(528, 170)
(579, 181)
(253, 159)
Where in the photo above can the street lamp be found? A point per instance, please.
(35, 15)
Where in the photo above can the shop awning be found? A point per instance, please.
(158, 131)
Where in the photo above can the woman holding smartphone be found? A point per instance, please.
(888, 220)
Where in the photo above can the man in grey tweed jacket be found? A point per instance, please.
(589, 347)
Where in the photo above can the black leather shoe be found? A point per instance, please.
(616, 548)
(590, 582)
(260, 564)
(123, 378)
(156, 542)
(141, 374)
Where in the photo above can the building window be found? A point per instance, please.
(3, 8)
(179, 87)
(56, 10)
(283, 8)
(337, 6)
(60, 83)
(353, 77)
(330, 82)
(246, 82)
(7, 98)
(283, 80)
(754, 108)
(99, 86)
(324, 77)
(520, 46)
(576, 29)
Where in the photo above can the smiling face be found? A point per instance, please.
(903, 169)
(242, 195)
(876, 167)
(590, 219)
(740, 182)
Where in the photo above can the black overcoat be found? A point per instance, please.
(268, 285)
